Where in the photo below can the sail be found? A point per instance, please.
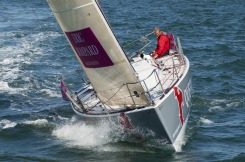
(98, 52)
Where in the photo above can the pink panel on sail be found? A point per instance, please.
(89, 49)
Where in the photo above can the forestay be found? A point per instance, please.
(98, 52)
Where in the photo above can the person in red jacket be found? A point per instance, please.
(163, 45)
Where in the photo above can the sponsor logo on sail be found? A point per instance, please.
(88, 48)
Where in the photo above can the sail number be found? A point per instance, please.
(89, 50)
(77, 38)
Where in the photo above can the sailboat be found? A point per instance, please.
(133, 92)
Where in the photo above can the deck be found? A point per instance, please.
(156, 77)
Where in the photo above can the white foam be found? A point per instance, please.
(4, 124)
(206, 121)
(51, 93)
(10, 73)
(181, 140)
(215, 108)
(62, 118)
(233, 104)
(122, 149)
(222, 104)
(7, 61)
(104, 136)
(84, 135)
(38, 122)
(218, 101)
(5, 88)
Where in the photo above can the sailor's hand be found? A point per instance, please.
(151, 53)
(154, 55)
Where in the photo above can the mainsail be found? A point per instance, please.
(98, 52)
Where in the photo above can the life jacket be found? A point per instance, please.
(171, 41)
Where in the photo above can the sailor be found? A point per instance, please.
(163, 45)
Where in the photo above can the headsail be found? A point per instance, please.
(98, 51)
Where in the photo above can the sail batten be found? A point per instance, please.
(99, 53)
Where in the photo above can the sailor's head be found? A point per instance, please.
(157, 31)
(122, 114)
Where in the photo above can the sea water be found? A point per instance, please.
(37, 125)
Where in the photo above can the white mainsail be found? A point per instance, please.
(98, 51)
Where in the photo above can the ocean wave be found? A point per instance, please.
(12, 34)
(240, 157)
(206, 121)
(7, 61)
(225, 104)
(26, 51)
(5, 124)
(5, 88)
(51, 93)
(38, 122)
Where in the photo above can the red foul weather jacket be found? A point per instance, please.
(162, 45)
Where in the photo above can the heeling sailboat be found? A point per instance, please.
(133, 93)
